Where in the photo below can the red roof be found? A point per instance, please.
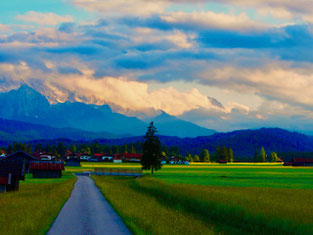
(47, 165)
(303, 160)
(131, 155)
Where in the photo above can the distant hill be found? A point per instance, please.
(28, 105)
(243, 142)
(21, 131)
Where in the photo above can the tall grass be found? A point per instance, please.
(144, 214)
(34, 207)
(230, 210)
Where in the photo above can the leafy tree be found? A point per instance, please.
(188, 157)
(230, 155)
(151, 150)
(205, 156)
(262, 155)
(273, 157)
(196, 158)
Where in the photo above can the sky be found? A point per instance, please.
(224, 65)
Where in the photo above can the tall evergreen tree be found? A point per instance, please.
(224, 153)
(9, 149)
(132, 149)
(125, 148)
(61, 149)
(29, 149)
(151, 150)
(230, 155)
(262, 155)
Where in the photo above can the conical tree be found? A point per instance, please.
(262, 155)
(151, 150)
(230, 155)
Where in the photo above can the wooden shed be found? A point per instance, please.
(11, 172)
(21, 156)
(47, 169)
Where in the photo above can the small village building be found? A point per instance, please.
(302, 162)
(84, 157)
(21, 156)
(131, 157)
(72, 162)
(47, 169)
(11, 172)
(117, 158)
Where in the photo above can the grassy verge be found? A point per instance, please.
(150, 206)
(34, 207)
(144, 214)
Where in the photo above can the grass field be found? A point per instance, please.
(231, 199)
(34, 207)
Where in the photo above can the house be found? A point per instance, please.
(47, 169)
(84, 157)
(117, 158)
(131, 157)
(11, 172)
(21, 156)
(44, 156)
(302, 162)
(72, 162)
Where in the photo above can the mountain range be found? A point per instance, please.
(28, 105)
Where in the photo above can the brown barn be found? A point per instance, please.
(302, 162)
(46, 169)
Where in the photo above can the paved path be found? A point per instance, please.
(87, 212)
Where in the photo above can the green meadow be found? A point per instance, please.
(33, 208)
(226, 199)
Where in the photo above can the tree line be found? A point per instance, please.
(59, 150)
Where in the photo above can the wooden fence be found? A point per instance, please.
(118, 172)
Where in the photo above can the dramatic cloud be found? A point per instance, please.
(275, 82)
(288, 9)
(210, 20)
(121, 92)
(45, 18)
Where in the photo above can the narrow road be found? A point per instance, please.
(87, 212)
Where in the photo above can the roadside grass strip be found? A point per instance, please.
(150, 206)
(34, 207)
(144, 214)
